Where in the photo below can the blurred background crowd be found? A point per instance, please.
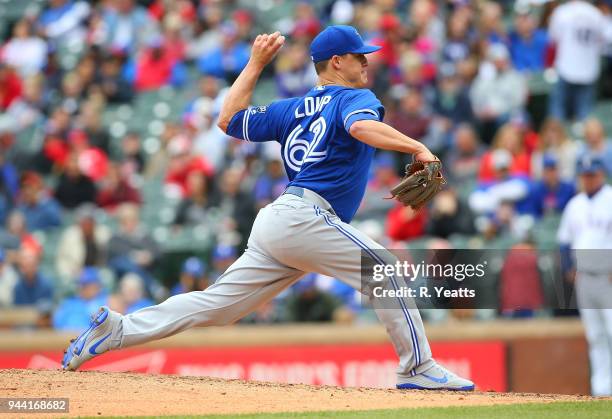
(116, 186)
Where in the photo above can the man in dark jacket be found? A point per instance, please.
(132, 249)
(32, 287)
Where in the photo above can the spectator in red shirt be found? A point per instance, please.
(243, 19)
(10, 86)
(307, 23)
(184, 9)
(173, 39)
(92, 160)
(520, 283)
(430, 34)
(391, 32)
(157, 66)
(115, 190)
(404, 223)
(507, 138)
(183, 162)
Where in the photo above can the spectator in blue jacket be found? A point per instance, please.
(550, 195)
(505, 189)
(32, 287)
(227, 60)
(75, 313)
(295, 74)
(128, 27)
(41, 211)
(62, 20)
(193, 277)
(596, 143)
(527, 43)
(223, 256)
(131, 291)
(452, 100)
(9, 186)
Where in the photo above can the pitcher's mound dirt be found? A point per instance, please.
(101, 393)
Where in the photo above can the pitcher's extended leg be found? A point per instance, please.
(251, 281)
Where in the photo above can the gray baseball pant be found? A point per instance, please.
(292, 236)
(594, 297)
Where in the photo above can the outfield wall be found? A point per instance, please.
(535, 356)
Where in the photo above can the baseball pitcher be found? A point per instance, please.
(328, 138)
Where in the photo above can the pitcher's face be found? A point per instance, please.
(353, 67)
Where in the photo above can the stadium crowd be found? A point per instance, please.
(79, 171)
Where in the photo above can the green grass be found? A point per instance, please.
(575, 410)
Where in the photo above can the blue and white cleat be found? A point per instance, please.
(436, 378)
(92, 342)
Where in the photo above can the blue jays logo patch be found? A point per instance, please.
(259, 109)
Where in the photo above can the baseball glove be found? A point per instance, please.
(420, 183)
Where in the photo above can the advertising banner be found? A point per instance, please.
(359, 365)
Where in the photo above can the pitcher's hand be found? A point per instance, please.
(425, 155)
(265, 48)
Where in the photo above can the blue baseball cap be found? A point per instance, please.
(549, 161)
(338, 40)
(89, 275)
(590, 164)
(194, 267)
(223, 251)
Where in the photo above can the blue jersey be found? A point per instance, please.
(318, 152)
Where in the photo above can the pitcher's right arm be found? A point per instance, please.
(239, 95)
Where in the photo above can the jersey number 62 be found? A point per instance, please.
(299, 151)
